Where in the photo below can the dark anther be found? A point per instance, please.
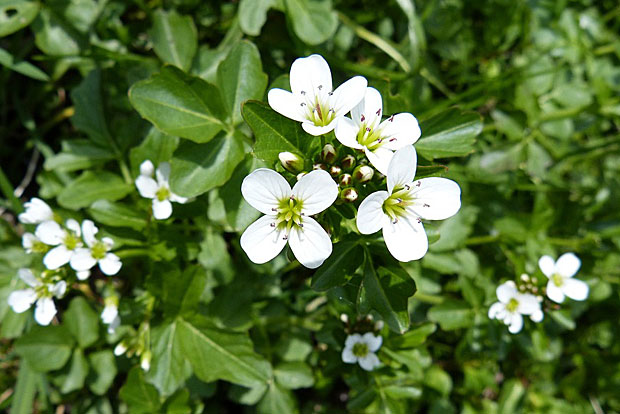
(368, 129)
(303, 92)
(407, 187)
(330, 93)
(292, 197)
(379, 140)
(363, 118)
(378, 111)
(392, 139)
(400, 200)
(274, 209)
(302, 104)
(425, 205)
(391, 118)
(285, 237)
(395, 221)
(301, 225)
(273, 224)
(320, 87)
(418, 184)
(419, 220)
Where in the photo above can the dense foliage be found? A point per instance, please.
(517, 101)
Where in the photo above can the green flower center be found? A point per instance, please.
(395, 206)
(39, 247)
(71, 241)
(319, 111)
(162, 194)
(360, 350)
(512, 305)
(42, 291)
(557, 279)
(98, 250)
(289, 214)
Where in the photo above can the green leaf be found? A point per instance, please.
(253, 15)
(102, 375)
(141, 397)
(181, 291)
(219, 354)
(439, 380)
(387, 291)
(278, 400)
(293, 375)
(452, 314)
(449, 134)
(240, 78)
(314, 21)
(23, 67)
(510, 397)
(54, 36)
(76, 374)
(174, 37)
(92, 186)
(45, 348)
(197, 168)
(344, 260)
(414, 337)
(89, 114)
(82, 322)
(169, 366)
(16, 14)
(117, 215)
(156, 147)
(179, 104)
(275, 133)
(25, 389)
(78, 154)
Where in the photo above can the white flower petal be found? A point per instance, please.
(380, 158)
(308, 73)
(554, 292)
(547, 265)
(83, 274)
(373, 342)
(162, 209)
(262, 242)
(147, 186)
(50, 233)
(110, 264)
(37, 211)
(401, 170)
(58, 289)
(352, 340)
(516, 323)
(495, 310)
(506, 291)
(400, 130)
(346, 132)
(317, 190)
(115, 324)
(163, 174)
(45, 311)
(370, 109)
(348, 95)
(28, 240)
(312, 129)
(264, 188)
(575, 289)
(82, 260)
(405, 239)
(57, 257)
(287, 104)
(177, 198)
(537, 316)
(369, 362)
(370, 216)
(568, 264)
(528, 304)
(74, 226)
(436, 198)
(147, 168)
(108, 242)
(109, 313)
(348, 357)
(88, 232)
(311, 245)
(21, 300)
(28, 277)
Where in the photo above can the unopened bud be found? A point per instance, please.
(525, 277)
(145, 360)
(363, 173)
(319, 166)
(347, 162)
(329, 154)
(291, 162)
(120, 349)
(335, 170)
(345, 180)
(348, 195)
(378, 325)
(344, 318)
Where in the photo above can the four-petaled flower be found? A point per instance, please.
(312, 101)
(561, 282)
(513, 305)
(287, 216)
(32, 244)
(37, 211)
(158, 190)
(400, 210)
(66, 241)
(365, 131)
(98, 251)
(361, 349)
(41, 292)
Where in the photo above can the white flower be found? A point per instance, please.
(561, 282)
(32, 244)
(361, 349)
(365, 131)
(158, 190)
(312, 101)
(512, 305)
(98, 252)
(66, 242)
(400, 210)
(40, 292)
(287, 216)
(109, 315)
(37, 211)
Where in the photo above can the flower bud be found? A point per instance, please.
(363, 173)
(319, 166)
(348, 195)
(120, 349)
(145, 360)
(344, 318)
(347, 162)
(345, 180)
(379, 325)
(291, 162)
(329, 154)
(335, 170)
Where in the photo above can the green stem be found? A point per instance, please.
(7, 189)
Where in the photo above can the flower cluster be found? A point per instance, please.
(387, 144)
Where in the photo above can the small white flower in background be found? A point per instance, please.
(158, 190)
(400, 210)
(37, 211)
(32, 244)
(361, 349)
(365, 131)
(561, 282)
(287, 216)
(312, 101)
(65, 240)
(513, 305)
(109, 315)
(41, 292)
(98, 251)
